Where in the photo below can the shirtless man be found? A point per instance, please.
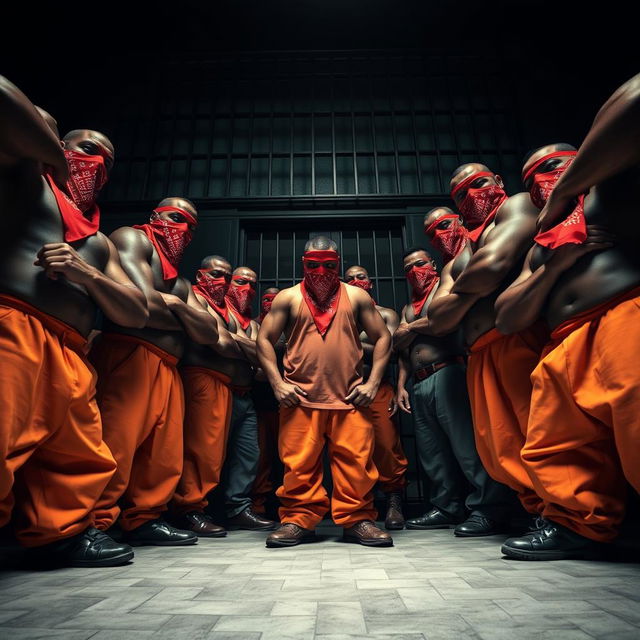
(446, 232)
(55, 273)
(139, 389)
(442, 417)
(207, 374)
(501, 229)
(388, 455)
(266, 405)
(243, 452)
(583, 275)
(322, 397)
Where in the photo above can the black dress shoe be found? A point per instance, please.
(435, 519)
(93, 548)
(551, 542)
(201, 524)
(161, 534)
(250, 521)
(476, 526)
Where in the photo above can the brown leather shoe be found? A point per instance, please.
(394, 519)
(366, 533)
(250, 521)
(201, 524)
(289, 535)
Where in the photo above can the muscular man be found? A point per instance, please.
(583, 275)
(139, 389)
(322, 398)
(442, 418)
(266, 406)
(499, 367)
(388, 455)
(241, 465)
(207, 373)
(55, 273)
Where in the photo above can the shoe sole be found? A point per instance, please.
(478, 535)
(272, 544)
(235, 528)
(430, 527)
(523, 554)
(116, 561)
(155, 543)
(212, 535)
(368, 543)
(395, 527)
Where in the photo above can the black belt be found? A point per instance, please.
(425, 372)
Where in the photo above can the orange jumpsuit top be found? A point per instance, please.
(328, 367)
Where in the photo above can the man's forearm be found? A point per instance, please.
(447, 313)
(483, 275)
(521, 305)
(268, 361)
(160, 316)
(403, 370)
(198, 325)
(381, 354)
(248, 348)
(123, 304)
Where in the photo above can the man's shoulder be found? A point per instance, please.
(130, 238)
(386, 312)
(516, 206)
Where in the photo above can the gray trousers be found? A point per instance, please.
(243, 452)
(447, 449)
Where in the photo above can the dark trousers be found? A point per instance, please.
(447, 448)
(243, 453)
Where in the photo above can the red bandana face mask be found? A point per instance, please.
(321, 287)
(367, 285)
(422, 280)
(321, 283)
(265, 306)
(450, 241)
(170, 239)
(241, 296)
(479, 203)
(543, 183)
(215, 288)
(87, 175)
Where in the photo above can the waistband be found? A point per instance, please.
(165, 356)
(69, 336)
(427, 371)
(240, 390)
(570, 325)
(491, 336)
(218, 375)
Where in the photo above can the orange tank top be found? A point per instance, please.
(326, 368)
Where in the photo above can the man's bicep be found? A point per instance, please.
(372, 322)
(392, 321)
(114, 269)
(275, 321)
(135, 257)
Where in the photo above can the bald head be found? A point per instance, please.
(210, 261)
(321, 243)
(245, 272)
(271, 291)
(552, 163)
(92, 143)
(432, 216)
(173, 213)
(356, 272)
(466, 171)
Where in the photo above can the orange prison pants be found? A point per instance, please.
(206, 427)
(498, 379)
(584, 428)
(349, 437)
(142, 405)
(268, 425)
(388, 455)
(54, 463)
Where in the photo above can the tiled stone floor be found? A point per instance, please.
(429, 586)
